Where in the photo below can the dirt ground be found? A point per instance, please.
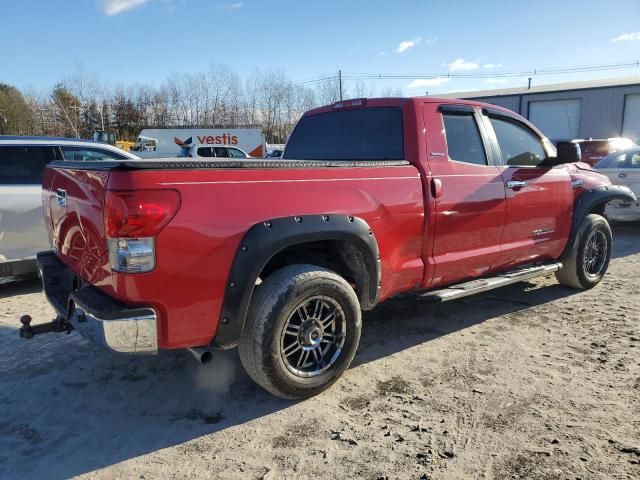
(530, 381)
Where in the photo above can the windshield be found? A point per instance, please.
(374, 133)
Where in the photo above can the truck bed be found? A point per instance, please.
(219, 203)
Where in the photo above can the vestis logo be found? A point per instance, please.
(224, 139)
(180, 143)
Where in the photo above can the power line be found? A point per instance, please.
(493, 74)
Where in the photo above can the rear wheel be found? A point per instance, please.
(302, 331)
(584, 265)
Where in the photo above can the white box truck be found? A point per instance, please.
(167, 142)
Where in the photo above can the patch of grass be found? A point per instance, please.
(396, 385)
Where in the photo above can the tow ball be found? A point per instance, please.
(58, 325)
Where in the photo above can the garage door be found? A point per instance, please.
(631, 122)
(557, 119)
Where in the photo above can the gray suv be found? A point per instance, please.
(22, 162)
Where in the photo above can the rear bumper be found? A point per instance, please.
(104, 320)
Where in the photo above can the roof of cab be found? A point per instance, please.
(399, 102)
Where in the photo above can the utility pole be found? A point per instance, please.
(340, 82)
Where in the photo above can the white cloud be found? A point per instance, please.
(114, 7)
(429, 82)
(627, 37)
(492, 65)
(460, 64)
(382, 53)
(407, 44)
(232, 6)
(496, 80)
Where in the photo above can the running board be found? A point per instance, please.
(483, 284)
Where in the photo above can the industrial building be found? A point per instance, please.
(565, 111)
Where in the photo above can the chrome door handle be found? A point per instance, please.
(516, 184)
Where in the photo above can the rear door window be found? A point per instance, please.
(221, 152)
(374, 133)
(84, 154)
(24, 165)
(464, 143)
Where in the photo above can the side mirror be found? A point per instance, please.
(568, 152)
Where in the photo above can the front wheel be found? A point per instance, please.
(584, 265)
(302, 331)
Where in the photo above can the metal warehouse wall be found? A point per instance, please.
(601, 109)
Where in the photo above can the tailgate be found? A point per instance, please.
(73, 201)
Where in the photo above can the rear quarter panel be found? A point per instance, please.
(195, 251)
(76, 230)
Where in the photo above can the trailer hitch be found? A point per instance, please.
(58, 325)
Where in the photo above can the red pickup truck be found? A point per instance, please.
(373, 197)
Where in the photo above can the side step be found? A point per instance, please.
(483, 284)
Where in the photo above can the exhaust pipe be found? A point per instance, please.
(201, 354)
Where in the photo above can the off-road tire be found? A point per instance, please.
(272, 304)
(574, 272)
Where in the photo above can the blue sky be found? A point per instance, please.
(144, 41)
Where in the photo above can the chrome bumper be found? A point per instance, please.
(95, 315)
(136, 334)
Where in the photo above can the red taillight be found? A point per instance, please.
(139, 213)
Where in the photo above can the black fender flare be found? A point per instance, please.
(588, 201)
(264, 240)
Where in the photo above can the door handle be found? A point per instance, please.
(516, 184)
(623, 175)
(436, 187)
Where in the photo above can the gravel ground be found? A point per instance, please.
(530, 381)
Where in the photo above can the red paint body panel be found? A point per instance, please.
(196, 249)
(469, 214)
(467, 226)
(77, 229)
(536, 226)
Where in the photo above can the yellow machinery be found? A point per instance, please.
(106, 136)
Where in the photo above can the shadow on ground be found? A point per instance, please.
(68, 407)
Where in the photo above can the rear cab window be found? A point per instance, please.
(370, 133)
(24, 165)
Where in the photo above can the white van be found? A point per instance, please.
(169, 142)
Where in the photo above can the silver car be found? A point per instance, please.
(623, 168)
(22, 162)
